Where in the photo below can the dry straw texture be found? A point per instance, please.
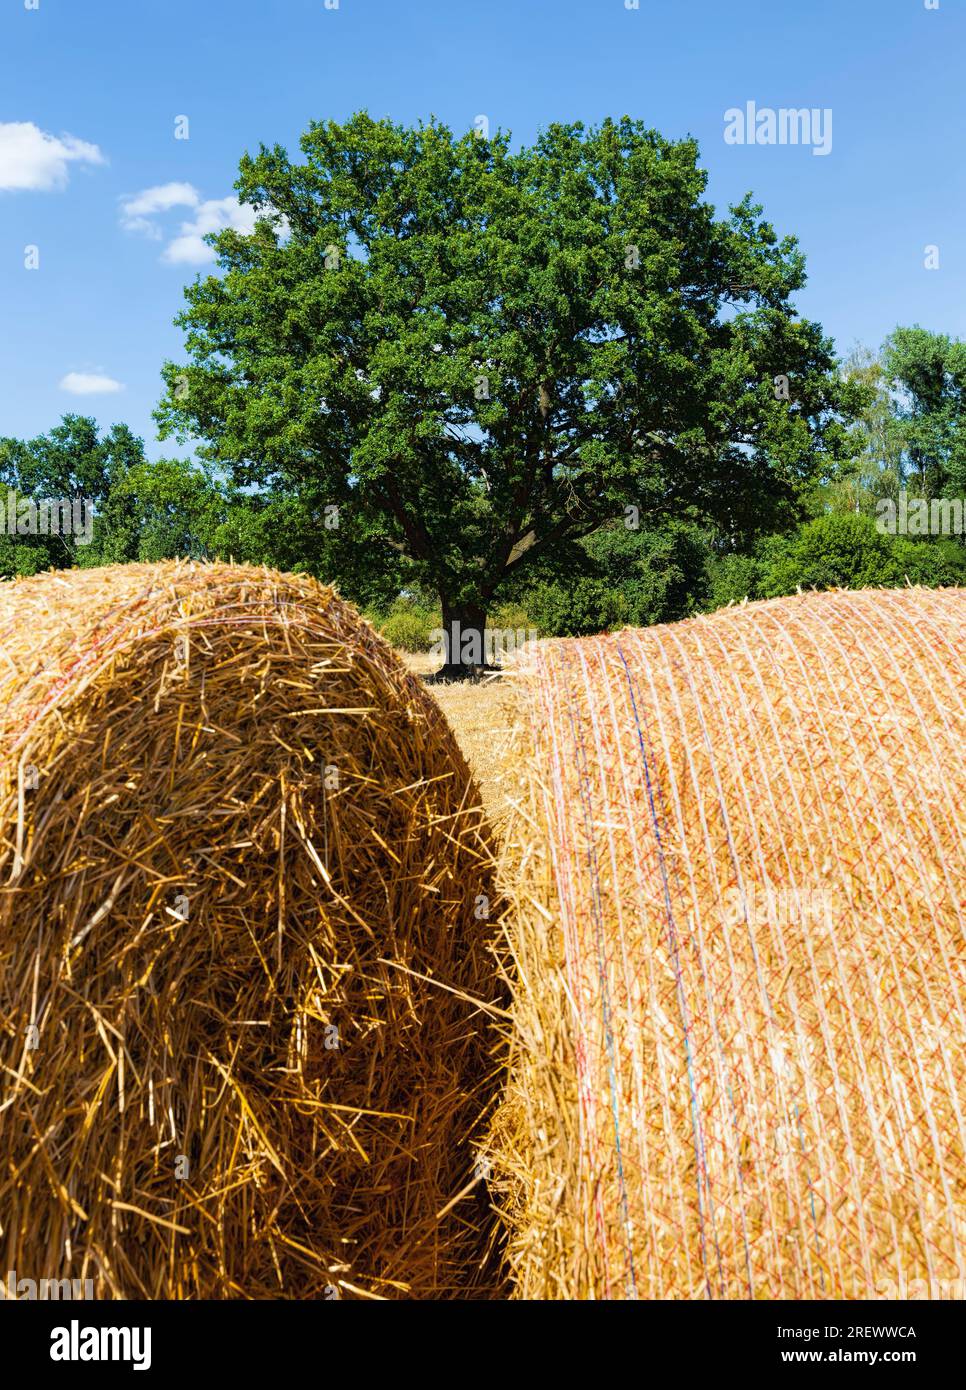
(738, 1052)
(240, 946)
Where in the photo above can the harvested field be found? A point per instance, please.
(482, 716)
(244, 984)
(738, 1055)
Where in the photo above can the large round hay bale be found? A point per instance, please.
(738, 1049)
(243, 959)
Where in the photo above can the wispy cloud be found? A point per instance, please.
(140, 213)
(138, 209)
(90, 384)
(30, 159)
(189, 248)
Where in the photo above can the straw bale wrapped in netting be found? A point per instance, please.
(243, 962)
(737, 1060)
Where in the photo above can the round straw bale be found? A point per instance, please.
(739, 1044)
(244, 968)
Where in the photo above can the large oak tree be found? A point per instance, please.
(486, 352)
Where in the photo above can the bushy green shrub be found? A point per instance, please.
(934, 564)
(577, 608)
(621, 576)
(512, 617)
(408, 625)
(838, 550)
(732, 578)
(662, 573)
(409, 631)
(842, 550)
(26, 555)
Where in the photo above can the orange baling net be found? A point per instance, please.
(738, 1048)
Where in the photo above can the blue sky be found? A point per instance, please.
(90, 91)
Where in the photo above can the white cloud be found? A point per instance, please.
(32, 159)
(90, 384)
(188, 248)
(140, 213)
(137, 209)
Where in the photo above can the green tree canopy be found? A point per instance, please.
(72, 462)
(157, 509)
(876, 469)
(926, 373)
(483, 353)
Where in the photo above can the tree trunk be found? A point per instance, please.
(464, 628)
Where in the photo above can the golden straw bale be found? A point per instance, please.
(245, 983)
(739, 1045)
